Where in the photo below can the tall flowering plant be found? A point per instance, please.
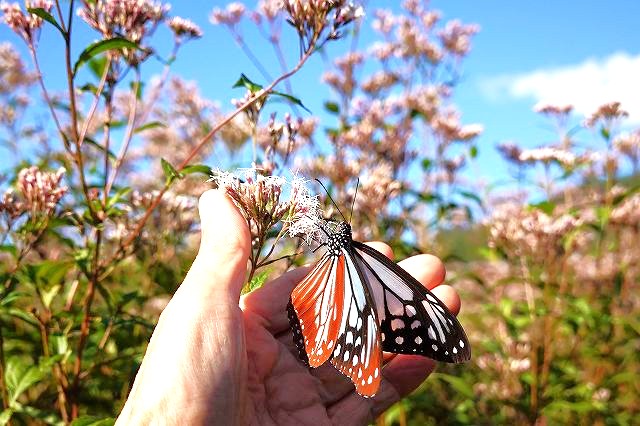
(92, 245)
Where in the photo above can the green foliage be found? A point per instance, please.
(102, 46)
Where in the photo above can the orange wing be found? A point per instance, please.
(317, 302)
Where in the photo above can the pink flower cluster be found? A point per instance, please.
(26, 25)
(184, 28)
(131, 19)
(37, 192)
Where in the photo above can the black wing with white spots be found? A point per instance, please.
(412, 320)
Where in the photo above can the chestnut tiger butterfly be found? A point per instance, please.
(356, 303)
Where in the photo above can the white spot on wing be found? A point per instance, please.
(397, 324)
(349, 338)
(411, 311)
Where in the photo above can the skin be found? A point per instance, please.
(218, 358)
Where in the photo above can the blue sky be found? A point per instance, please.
(581, 51)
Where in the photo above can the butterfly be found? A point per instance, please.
(356, 303)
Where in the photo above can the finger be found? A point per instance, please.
(383, 248)
(426, 268)
(270, 301)
(401, 376)
(219, 269)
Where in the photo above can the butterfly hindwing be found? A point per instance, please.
(315, 310)
(358, 353)
(412, 319)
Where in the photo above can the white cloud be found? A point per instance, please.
(585, 86)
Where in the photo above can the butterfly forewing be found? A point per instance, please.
(412, 319)
(358, 353)
(317, 303)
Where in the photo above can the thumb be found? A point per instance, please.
(219, 270)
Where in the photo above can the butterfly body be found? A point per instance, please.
(356, 303)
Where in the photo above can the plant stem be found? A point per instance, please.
(127, 137)
(85, 326)
(94, 106)
(3, 384)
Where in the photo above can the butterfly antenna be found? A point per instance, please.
(329, 195)
(353, 203)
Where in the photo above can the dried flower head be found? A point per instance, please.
(131, 19)
(264, 202)
(13, 72)
(230, 16)
(510, 151)
(548, 155)
(40, 191)
(320, 20)
(606, 114)
(553, 109)
(628, 144)
(26, 25)
(11, 206)
(530, 232)
(184, 28)
(456, 37)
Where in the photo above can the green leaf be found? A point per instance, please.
(256, 282)
(5, 416)
(23, 315)
(332, 107)
(89, 87)
(97, 66)
(291, 99)
(473, 151)
(426, 164)
(603, 213)
(11, 297)
(545, 206)
(93, 421)
(8, 248)
(115, 198)
(48, 294)
(471, 196)
(20, 377)
(147, 126)
(101, 47)
(40, 12)
(44, 416)
(169, 171)
(137, 87)
(197, 168)
(460, 385)
(99, 147)
(244, 81)
(52, 272)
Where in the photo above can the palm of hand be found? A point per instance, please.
(212, 362)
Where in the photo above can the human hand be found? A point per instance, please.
(218, 358)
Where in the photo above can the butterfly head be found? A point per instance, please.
(339, 238)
